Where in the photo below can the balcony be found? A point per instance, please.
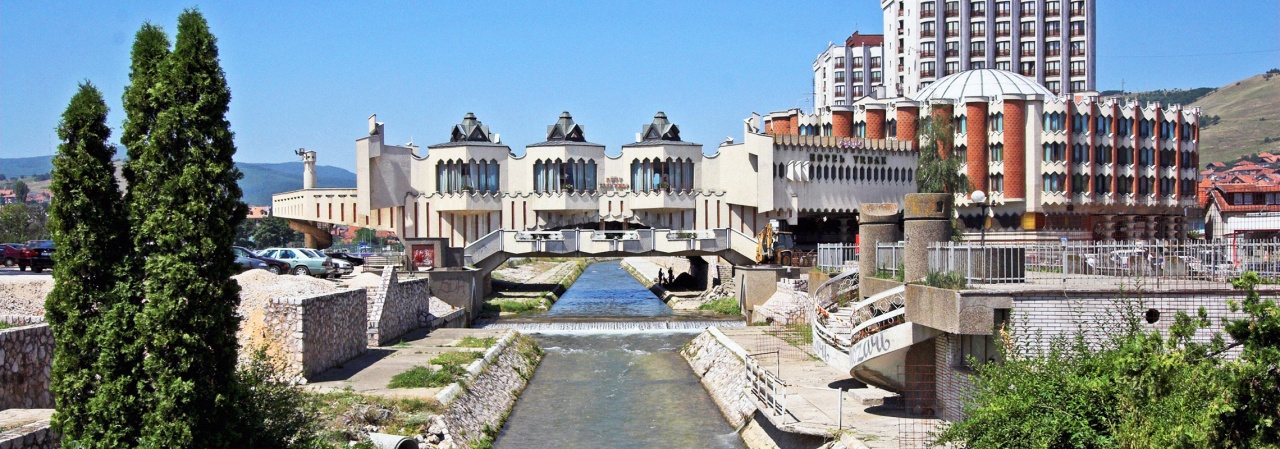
(1053, 33)
(1053, 53)
(1003, 33)
(977, 52)
(978, 33)
(857, 65)
(1003, 52)
(876, 80)
(978, 12)
(1077, 52)
(564, 201)
(662, 200)
(926, 33)
(927, 73)
(1024, 12)
(1003, 13)
(875, 65)
(1075, 32)
(927, 53)
(857, 79)
(1078, 73)
(1028, 32)
(952, 13)
(1025, 53)
(1053, 12)
(839, 65)
(1077, 12)
(459, 202)
(928, 13)
(1052, 72)
(953, 53)
(1027, 72)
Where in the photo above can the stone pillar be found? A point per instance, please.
(927, 220)
(841, 121)
(1015, 148)
(875, 122)
(976, 156)
(878, 223)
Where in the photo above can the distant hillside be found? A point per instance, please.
(259, 183)
(1247, 119)
(262, 180)
(26, 166)
(1179, 96)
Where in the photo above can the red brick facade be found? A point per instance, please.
(875, 123)
(842, 123)
(976, 154)
(907, 116)
(1015, 149)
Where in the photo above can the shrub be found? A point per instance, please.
(951, 280)
(274, 412)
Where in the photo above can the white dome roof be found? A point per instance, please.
(981, 83)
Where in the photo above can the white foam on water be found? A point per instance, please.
(613, 326)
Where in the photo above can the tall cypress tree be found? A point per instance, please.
(192, 206)
(141, 105)
(89, 228)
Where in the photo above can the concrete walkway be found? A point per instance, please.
(371, 372)
(813, 403)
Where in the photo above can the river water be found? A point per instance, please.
(614, 389)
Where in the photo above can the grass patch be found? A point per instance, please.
(344, 413)
(951, 280)
(445, 369)
(514, 305)
(473, 342)
(401, 344)
(6, 325)
(724, 306)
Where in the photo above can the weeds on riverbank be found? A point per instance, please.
(445, 369)
(473, 342)
(724, 306)
(344, 414)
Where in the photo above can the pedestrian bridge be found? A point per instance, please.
(491, 250)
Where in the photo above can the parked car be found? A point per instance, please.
(273, 265)
(244, 264)
(9, 253)
(302, 263)
(341, 267)
(37, 255)
(354, 259)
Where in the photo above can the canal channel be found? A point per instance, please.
(618, 389)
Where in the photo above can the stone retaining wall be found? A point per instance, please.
(319, 332)
(26, 358)
(718, 361)
(397, 307)
(36, 435)
(477, 411)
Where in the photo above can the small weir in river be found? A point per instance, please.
(613, 375)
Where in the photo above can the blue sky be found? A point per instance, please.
(307, 74)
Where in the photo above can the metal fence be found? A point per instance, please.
(833, 257)
(1158, 263)
(890, 259)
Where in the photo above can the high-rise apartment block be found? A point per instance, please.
(1050, 41)
(843, 74)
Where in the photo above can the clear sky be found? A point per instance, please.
(308, 74)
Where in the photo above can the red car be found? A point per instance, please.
(9, 253)
(37, 256)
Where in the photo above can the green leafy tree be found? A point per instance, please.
(274, 231)
(20, 222)
(86, 217)
(938, 174)
(21, 190)
(1254, 418)
(192, 208)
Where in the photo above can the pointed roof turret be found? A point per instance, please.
(659, 132)
(565, 132)
(469, 132)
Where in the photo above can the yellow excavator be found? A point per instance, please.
(774, 246)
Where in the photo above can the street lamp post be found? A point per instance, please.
(980, 198)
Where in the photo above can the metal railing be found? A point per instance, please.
(767, 387)
(1157, 263)
(890, 258)
(834, 256)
